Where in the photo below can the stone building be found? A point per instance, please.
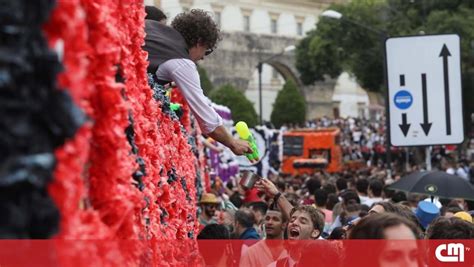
(256, 30)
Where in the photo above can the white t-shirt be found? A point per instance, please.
(451, 171)
(365, 200)
(356, 136)
(184, 73)
(371, 200)
(462, 173)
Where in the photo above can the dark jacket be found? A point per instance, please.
(162, 44)
(250, 233)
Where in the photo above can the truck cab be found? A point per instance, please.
(308, 150)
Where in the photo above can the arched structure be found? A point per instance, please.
(238, 54)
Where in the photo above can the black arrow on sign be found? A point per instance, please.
(402, 80)
(425, 125)
(404, 126)
(445, 54)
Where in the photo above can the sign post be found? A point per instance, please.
(424, 90)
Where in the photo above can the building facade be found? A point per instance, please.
(278, 18)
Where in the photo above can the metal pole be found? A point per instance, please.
(407, 157)
(428, 158)
(428, 164)
(260, 91)
(387, 119)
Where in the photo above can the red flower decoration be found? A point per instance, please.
(93, 185)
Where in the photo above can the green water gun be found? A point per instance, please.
(175, 107)
(245, 134)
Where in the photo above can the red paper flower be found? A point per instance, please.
(93, 184)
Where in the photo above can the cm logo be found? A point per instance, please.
(454, 252)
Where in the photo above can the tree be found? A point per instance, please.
(335, 47)
(242, 109)
(309, 61)
(206, 84)
(289, 107)
(338, 45)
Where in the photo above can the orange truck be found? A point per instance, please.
(308, 150)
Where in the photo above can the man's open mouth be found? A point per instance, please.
(294, 233)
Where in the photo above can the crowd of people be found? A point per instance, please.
(325, 207)
(365, 140)
(353, 204)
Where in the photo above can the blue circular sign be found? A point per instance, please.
(403, 99)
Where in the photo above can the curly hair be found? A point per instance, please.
(197, 27)
(450, 228)
(373, 226)
(317, 216)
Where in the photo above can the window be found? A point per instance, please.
(320, 154)
(274, 26)
(217, 18)
(361, 112)
(299, 29)
(293, 145)
(247, 23)
(274, 73)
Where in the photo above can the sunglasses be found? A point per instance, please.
(208, 51)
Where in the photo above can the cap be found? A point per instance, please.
(209, 198)
(426, 212)
(464, 216)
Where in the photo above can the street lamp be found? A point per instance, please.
(383, 35)
(331, 14)
(259, 68)
(337, 15)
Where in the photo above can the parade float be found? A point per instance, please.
(92, 149)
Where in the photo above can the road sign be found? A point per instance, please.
(424, 90)
(403, 99)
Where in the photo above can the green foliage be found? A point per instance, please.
(468, 98)
(316, 54)
(242, 109)
(289, 106)
(338, 45)
(206, 84)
